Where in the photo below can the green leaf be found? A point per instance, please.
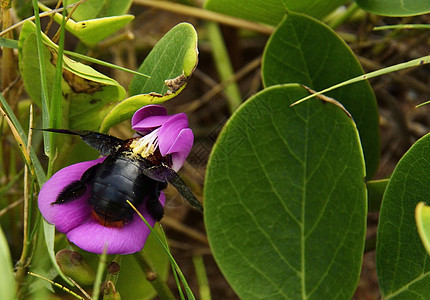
(175, 56)
(7, 277)
(269, 11)
(272, 11)
(304, 50)
(375, 191)
(8, 43)
(92, 9)
(395, 8)
(314, 8)
(401, 260)
(125, 109)
(132, 273)
(422, 218)
(285, 199)
(88, 95)
(92, 31)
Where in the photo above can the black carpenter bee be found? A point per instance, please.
(123, 175)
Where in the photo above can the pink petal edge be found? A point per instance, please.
(147, 111)
(68, 215)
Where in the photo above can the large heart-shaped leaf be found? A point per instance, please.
(304, 50)
(285, 199)
(395, 8)
(169, 65)
(401, 259)
(272, 11)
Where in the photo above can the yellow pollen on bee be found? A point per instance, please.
(146, 145)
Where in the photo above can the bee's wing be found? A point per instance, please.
(105, 144)
(184, 190)
(164, 173)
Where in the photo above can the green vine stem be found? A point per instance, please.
(159, 285)
(223, 65)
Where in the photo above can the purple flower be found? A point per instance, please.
(169, 135)
(174, 136)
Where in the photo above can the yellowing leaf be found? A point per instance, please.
(87, 94)
(92, 31)
(169, 65)
(422, 217)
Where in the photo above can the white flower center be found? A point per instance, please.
(147, 144)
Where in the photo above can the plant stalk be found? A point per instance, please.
(207, 15)
(159, 285)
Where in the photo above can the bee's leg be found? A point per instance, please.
(153, 204)
(76, 188)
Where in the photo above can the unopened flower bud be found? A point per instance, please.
(75, 266)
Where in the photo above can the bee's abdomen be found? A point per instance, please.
(115, 181)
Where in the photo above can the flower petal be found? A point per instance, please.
(93, 237)
(147, 111)
(181, 147)
(68, 215)
(149, 123)
(169, 132)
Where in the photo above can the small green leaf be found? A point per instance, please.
(300, 233)
(75, 266)
(7, 277)
(125, 109)
(88, 95)
(422, 217)
(92, 31)
(175, 54)
(169, 64)
(132, 273)
(92, 9)
(272, 11)
(304, 50)
(8, 43)
(401, 260)
(395, 8)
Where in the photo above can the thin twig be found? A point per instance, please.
(44, 14)
(207, 15)
(57, 285)
(23, 261)
(51, 20)
(80, 288)
(10, 206)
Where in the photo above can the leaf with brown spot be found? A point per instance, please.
(87, 94)
(169, 65)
